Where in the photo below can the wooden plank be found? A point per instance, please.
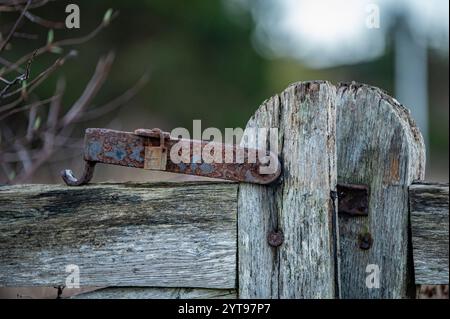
(429, 228)
(378, 145)
(158, 293)
(164, 235)
(299, 205)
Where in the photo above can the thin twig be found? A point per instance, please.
(31, 122)
(14, 5)
(14, 28)
(53, 114)
(26, 36)
(55, 106)
(116, 103)
(43, 75)
(10, 65)
(43, 22)
(18, 79)
(96, 82)
(62, 43)
(26, 107)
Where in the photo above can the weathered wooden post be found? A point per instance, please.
(429, 229)
(299, 208)
(378, 145)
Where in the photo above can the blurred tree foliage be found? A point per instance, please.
(200, 58)
(202, 64)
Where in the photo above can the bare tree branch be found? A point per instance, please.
(14, 28)
(43, 22)
(116, 103)
(26, 107)
(10, 65)
(25, 146)
(18, 79)
(14, 5)
(97, 80)
(62, 43)
(42, 76)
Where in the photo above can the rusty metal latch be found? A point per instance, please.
(151, 149)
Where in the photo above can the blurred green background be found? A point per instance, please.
(209, 60)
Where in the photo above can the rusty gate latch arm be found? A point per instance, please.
(150, 149)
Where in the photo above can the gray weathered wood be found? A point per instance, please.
(164, 235)
(429, 228)
(378, 145)
(158, 293)
(299, 205)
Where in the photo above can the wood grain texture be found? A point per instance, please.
(299, 205)
(429, 228)
(377, 145)
(158, 293)
(164, 235)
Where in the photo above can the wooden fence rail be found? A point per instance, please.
(210, 240)
(177, 235)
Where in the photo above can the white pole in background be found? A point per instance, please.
(411, 76)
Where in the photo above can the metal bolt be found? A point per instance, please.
(365, 241)
(275, 238)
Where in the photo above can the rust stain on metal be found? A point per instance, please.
(151, 149)
(353, 200)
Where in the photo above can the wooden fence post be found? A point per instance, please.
(300, 206)
(378, 145)
(428, 205)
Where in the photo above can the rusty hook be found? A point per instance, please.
(67, 175)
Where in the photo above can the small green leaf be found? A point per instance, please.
(37, 123)
(107, 16)
(50, 36)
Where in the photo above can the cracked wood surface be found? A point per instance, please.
(164, 235)
(378, 145)
(299, 205)
(158, 293)
(429, 227)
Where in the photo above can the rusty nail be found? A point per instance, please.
(365, 241)
(275, 238)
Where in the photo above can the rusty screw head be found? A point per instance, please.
(275, 238)
(365, 241)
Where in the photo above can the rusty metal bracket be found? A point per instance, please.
(151, 149)
(353, 200)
